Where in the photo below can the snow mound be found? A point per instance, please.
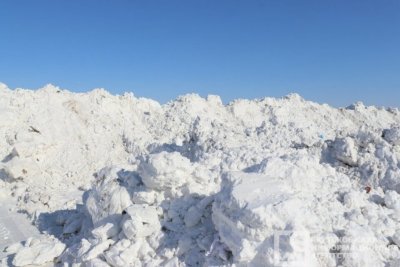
(124, 181)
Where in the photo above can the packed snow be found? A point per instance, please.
(125, 181)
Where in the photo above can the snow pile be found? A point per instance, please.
(270, 182)
(150, 216)
(289, 194)
(124, 222)
(51, 136)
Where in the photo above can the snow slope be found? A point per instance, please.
(124, 181)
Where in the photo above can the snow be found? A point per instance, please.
(392, 135)
(124, 181)
(163, 171)
(38, 251)
(14, 227)
(284, 197)
(345, 151)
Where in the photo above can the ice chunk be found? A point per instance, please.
(253, 209)
(144, 221)
(106, 231)
(132, 227)
(247, 210)
(345, 151)
(39, 252)
(165, 170)
(108, 197)
(97, 250)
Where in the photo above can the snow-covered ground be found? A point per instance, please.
(14, 227)
(124, 181)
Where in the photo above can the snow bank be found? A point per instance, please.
(125, 181)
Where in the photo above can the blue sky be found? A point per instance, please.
(331, 51)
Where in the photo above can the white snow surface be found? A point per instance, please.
(124, 181)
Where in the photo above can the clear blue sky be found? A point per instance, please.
(333, 51)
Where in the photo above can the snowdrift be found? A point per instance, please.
(124, 181)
